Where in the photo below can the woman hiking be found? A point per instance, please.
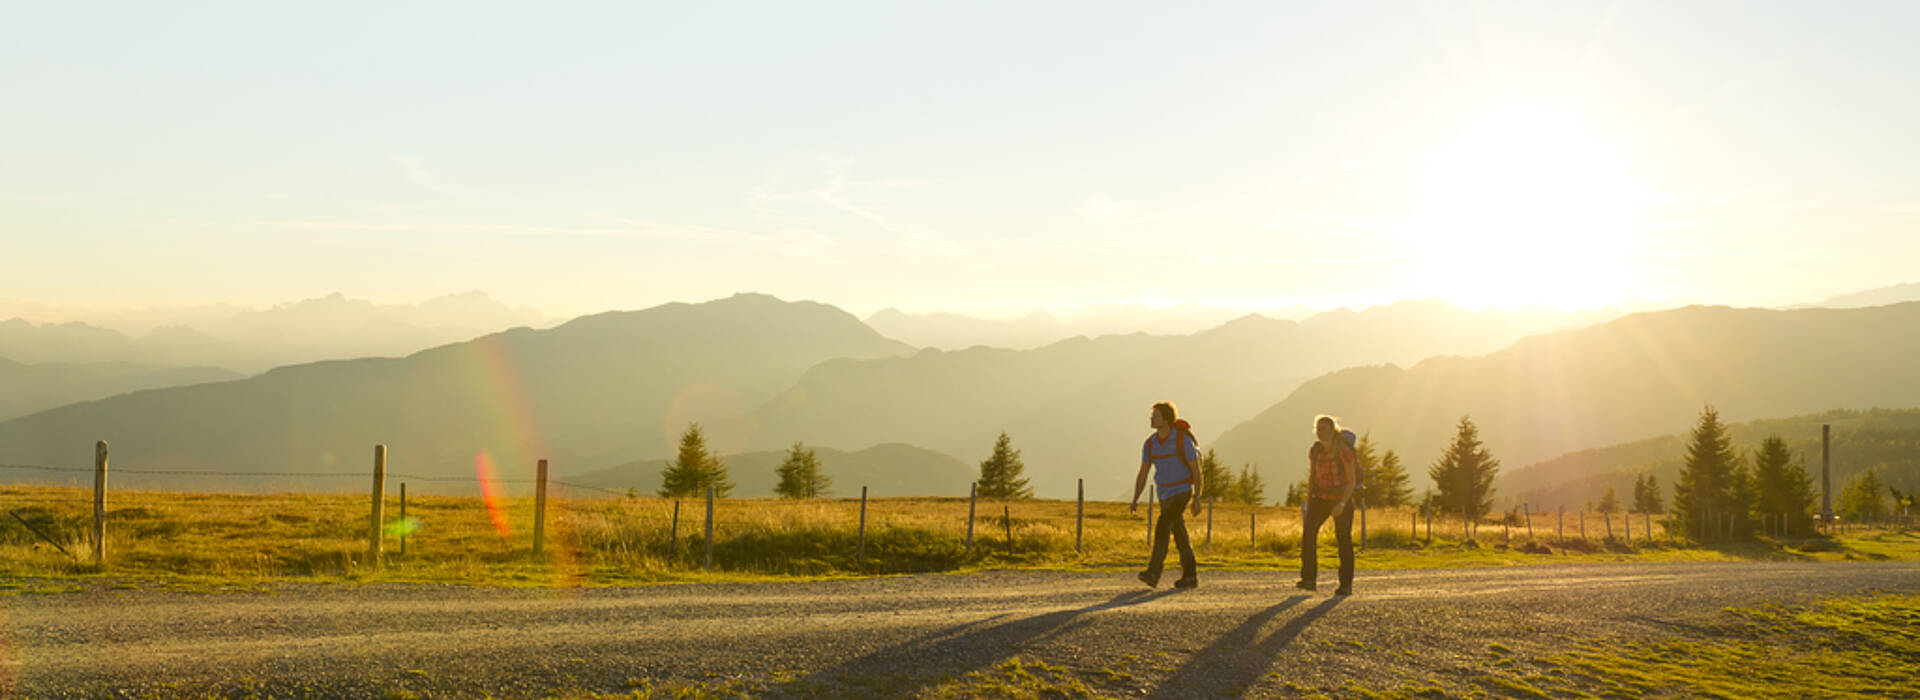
(1334, 472)
(1171, 453)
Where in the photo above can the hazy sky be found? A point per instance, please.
(972, 156)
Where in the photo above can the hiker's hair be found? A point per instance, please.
(1327, 418)
(1167, 412)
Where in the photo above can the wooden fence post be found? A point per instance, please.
(1428, 510)
(540, 508)
(973, 497)
(1253, 528)
(1627, 520)
(1583, 524)
(374, 543)
(403, 518)
(860, 553)
(1646, 523)
(1363, 523)
(1209, 543)
(1006, 517)
(673, 534)
(1079, 517)
(1609, 518)
(709, 563)
(1528, 510)
(1560, 528)
(100, 503)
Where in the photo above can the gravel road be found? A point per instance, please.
(1241, 632)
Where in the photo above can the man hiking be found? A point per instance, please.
(1334, 471)
(1174, 458)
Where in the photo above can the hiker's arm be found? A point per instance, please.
(1199, 480)
(1139, 482)
(1351, 468)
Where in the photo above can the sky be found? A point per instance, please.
(985, 158)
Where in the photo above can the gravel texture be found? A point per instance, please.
(1240, 632)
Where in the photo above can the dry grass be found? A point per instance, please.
(247, 537)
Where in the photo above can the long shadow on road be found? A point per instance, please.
(1235, 661)
(905, 668)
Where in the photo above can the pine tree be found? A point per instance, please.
(1609, 503)
(1216, 482)
(800, 475)
(1650, 499)
(1705, 488)
(1000, 474)
(1864, 499)
(1386, 484)
(1744, 494)
(1464, 474)
(1296, 494)
(1639, 493)
(1249, 489)
(694, 469)
(1785, 490)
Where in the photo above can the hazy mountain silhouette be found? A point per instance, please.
(1078, 408)
(597, 390)
(887, 470)
(26, 389)
(1881, 439)
(331, 327)
(950, 331)
(1641, 375)
(1881, 296)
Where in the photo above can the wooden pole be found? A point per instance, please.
(860, 553)
(1583, 524)
(1363, 523)
(1006, 517)
(1609, 518)
(1560, 529)
(403, 518)
(1209, 544)
(709, 560)
(1428, 510)
(540, 508)
(973, 497)
(374, 543)
(1627, 520)
(100, 503)
(1079, 516)
(1646, 523)
(1528, 510)
(1826, 480)
(1253, 528)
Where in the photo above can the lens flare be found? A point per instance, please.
(403, 527)
(490, 493)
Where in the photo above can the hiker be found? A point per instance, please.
(1172, 454)
(1334, 472)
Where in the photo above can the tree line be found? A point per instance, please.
(1716, 480)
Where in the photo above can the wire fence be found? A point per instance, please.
(609, 529)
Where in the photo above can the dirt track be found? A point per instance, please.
(1240, 632)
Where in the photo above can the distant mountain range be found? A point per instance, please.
(327, 328)
(27, 389)
(1646, 374)
(1881, 296)
(594, 391)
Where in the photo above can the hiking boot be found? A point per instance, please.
(1344, 590)
(1305, 585)
(1152, 580)
(1188, 582)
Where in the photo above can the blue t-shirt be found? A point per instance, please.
(1171, 477)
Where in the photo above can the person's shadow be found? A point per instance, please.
(905, 668)
(1236, 661)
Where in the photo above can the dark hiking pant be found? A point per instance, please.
(1173, 521)
(1316, 515)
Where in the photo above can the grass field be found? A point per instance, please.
(247, 538)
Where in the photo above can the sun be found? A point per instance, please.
(1525, 208)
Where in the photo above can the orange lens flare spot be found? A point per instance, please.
(490, 493)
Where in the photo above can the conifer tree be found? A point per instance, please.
(1646, 496)
(1249, 489)
(1296, 494)
(1865, 498)
(1464, 474)
(694, 469)
(1705, 488)
(1000, 474)
(1216, 482)
(800, 475)
(1386, 483)
(1609, 503)
(1785, 490)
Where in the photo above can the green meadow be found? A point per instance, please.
(256, 538)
